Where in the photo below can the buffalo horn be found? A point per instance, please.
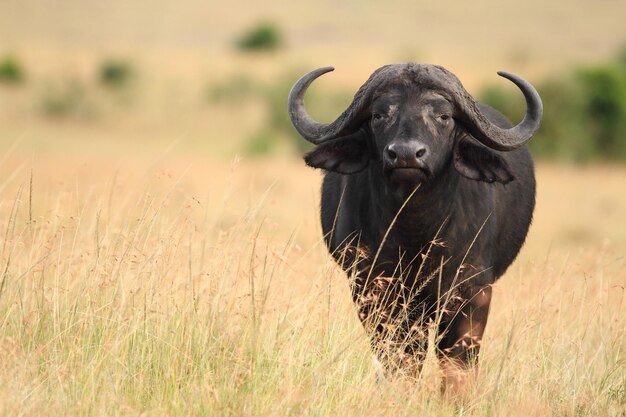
(506, 139)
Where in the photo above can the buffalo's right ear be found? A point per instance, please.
(345, 155)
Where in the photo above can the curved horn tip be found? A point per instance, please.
(526, 88)
(321, 71)
(516, 79)
(514, 137)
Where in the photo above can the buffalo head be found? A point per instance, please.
(413, 121)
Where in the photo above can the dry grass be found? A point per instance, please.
(179, 285)
(142, 274)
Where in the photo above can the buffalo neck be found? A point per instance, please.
(426, 211)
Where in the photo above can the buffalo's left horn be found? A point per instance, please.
(515, 137)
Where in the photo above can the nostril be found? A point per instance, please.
(420, 153)
(391, 154)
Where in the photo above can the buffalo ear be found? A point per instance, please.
(345, 155)
(477, 162)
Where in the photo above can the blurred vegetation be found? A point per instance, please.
(277, 128)
(233, 90)
(66, 98)
(260, 143)
(264, 36)
(115, 73)
(584, 112)
(11, 70)
(584, 108)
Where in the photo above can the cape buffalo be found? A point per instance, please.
(426, 200)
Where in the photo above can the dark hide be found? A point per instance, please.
(428, 218)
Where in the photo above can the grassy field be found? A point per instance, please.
(174, 284)
(150, 265)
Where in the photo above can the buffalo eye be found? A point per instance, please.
(377, 116)
(444, 117)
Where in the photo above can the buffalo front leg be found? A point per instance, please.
(395, 324)
(461, 331)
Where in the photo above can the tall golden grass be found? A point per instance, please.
(143, 278)
(181, 285)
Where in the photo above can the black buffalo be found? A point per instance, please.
(427, 199)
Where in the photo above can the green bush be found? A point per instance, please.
(262, 37)
(604, 89)
(275, 99)
(259, 144)
(324, 105)
(584, 112)
(11, 71)
(115, 73)
(65, 98)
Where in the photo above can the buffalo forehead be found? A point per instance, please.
(391, 100)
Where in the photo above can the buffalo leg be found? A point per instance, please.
(461, 336)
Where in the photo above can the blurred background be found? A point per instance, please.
(83, 75)
(152, 192)
(93, 94)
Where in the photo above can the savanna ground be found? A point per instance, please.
(149, 267)
(182, 285)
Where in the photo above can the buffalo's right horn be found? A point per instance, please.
(305, 125)
(348, 122)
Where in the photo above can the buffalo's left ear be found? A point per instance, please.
(477, 162)
(345, 155)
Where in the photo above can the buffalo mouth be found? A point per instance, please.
(408, 174)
